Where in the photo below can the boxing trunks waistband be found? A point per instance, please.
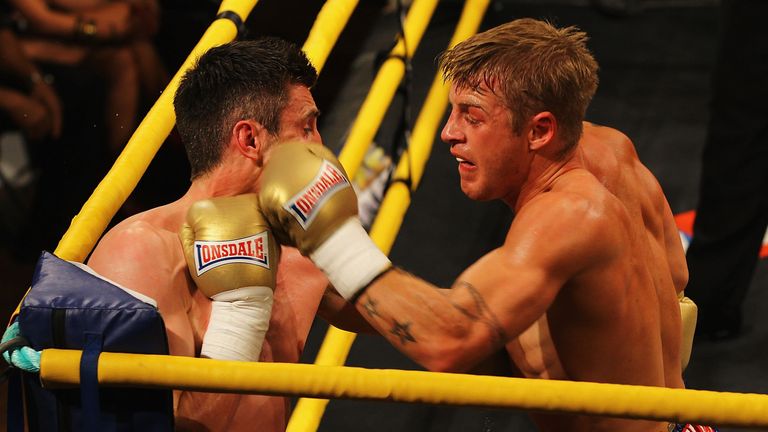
(673, 427)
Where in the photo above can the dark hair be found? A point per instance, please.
(232, 82)
(533, 67)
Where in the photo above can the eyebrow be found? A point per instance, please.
(314, 112)
(467, 105)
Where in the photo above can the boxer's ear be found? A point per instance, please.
(542, 131)
(251, 139)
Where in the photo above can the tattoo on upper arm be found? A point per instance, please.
(482, 312)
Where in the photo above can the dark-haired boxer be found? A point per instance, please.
(237, 101)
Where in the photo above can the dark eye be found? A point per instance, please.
(310, 126)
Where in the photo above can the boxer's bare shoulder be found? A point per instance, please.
(141, 250)
(608, 135)
(143, 253)
(612, 158)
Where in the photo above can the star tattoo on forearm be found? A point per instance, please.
(403, 332)
(370, 307)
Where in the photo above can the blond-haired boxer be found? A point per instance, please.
(585, 285)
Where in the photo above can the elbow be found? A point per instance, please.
(441, 365)
(446, 364)
(457, 347)
(453, 356)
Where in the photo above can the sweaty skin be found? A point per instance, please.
(152, 262)
(611, 157)
(144, 253)
(584, 286)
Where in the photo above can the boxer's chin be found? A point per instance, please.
(473, 191)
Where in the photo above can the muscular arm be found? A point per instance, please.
(145, 259)
(300, 275)
(494, 300)
(341, 314)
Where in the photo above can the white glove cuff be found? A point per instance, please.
(350, 259)
(238, 324)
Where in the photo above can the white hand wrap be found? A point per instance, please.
(350, 259)
(238, 324)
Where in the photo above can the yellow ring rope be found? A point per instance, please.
(62, 368)
(412, 162)
(337, 342)
(330, 22)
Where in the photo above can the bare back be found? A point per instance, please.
(612, 158)
(144, 253)
(629, 296)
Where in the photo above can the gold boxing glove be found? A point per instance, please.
(309, 202)
(688, 314)
(232, 257)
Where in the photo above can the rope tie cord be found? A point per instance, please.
(16, 351)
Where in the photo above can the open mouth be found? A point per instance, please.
(464, 162)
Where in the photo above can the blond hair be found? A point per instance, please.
(533, 67)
